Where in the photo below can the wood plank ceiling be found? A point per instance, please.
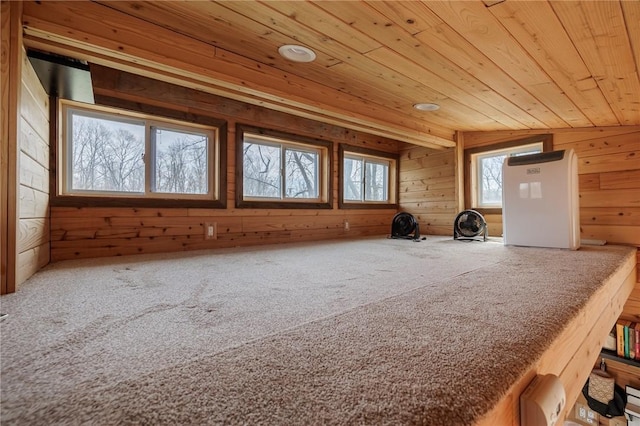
(492, 65)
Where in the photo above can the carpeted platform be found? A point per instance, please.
(370, 331)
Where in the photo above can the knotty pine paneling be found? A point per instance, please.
(609, 167)
(609, 180)
(428, 188)
(33, 242)
(80, 232)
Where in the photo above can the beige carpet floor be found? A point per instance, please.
(367, 331)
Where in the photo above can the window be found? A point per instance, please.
(111, 153)
(282, 170)
(368, 177)
(484, 168)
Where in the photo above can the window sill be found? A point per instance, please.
(241, 204)
(371, 206)
(487, 210)
(83, 201)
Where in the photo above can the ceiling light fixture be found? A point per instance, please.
(296, 53)
(426, 107)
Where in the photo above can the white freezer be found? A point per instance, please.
(540, 201)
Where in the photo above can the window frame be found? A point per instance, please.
(287, 140)
(470, 183)
(346, 151)
(154, 116)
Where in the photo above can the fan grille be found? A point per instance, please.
(469, 224)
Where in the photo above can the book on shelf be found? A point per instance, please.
(620, 325)
(632, 340)
(628, 339)
(637, 330)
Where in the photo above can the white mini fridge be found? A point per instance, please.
(540, 201)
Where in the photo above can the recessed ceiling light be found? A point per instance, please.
(426, 107)
(296, 53)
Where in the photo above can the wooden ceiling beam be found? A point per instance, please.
(99, 34)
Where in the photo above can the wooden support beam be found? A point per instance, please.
(10, 15)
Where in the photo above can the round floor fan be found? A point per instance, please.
(404, 225)
(470, 225)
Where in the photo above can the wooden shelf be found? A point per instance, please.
(607, 354)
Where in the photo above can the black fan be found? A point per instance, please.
(403, 225)
(470, 225)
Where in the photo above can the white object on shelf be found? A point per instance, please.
(540, 202)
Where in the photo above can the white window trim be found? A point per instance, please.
(365, 159)
(392, 160)
(476, 172)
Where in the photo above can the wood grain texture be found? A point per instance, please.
(428, 188)
(609, 163)
(11, 44)
(609, 209)
(125, 42)
(572, 354)
(490, 65)
(95, 231)
(33, 227)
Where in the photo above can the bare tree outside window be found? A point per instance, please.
(302, 174)
(353, 179)
(106, 153)
(279, 171)
(489, 172)
(180, 162)
(376, 181)
(365, 180)
(261, 176)
(107, 156)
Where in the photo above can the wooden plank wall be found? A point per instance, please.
(108, 231)
(33, 141)
(11, 42)
(428, 187)
(609, 174)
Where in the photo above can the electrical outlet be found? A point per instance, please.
(346, 225)
(210, 231)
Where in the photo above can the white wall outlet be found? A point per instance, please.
(210, 231)
(346, 225)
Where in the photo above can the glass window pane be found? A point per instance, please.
(180, 160)
(106, 154)
(376, 181)
(353, 179)
(301, 168)
(490, 171)
(261, 170)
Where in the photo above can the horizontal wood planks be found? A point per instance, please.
(609, 173)
(97, 232)
(108, 231)
(33, 225)
(609, 181)
(103, 35)
(428, 188)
